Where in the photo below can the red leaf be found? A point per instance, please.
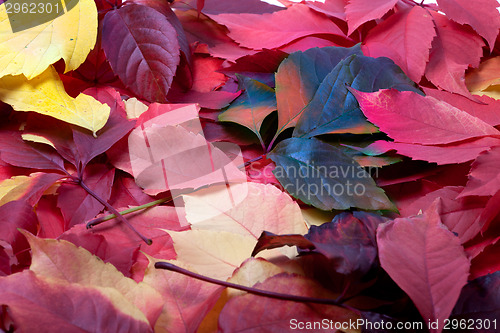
(15, 151)
(334, 8)
(486, 262)
(427, 261)
(50, 218)
(481, 15)
(488, 112)
(77, 206)
(14, 215)
(36, 304)
(268, 31)
(483, 178)
(31, 190)
(231, 6)
(406, 38)
(361, 11)
(142, 48)
(443, 154)
(187, 300)
(266, 61)
(240, 313)
(454, 49)
(411, 118)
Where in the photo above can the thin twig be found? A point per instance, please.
(259, 292)
(114, 211)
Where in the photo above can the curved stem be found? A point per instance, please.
(259, 292)
(114, 211)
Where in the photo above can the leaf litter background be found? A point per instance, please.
(100, 103)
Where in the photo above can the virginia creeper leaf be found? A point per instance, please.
(30, 50)
(321, 175)
(454, 49)
(76, 204)
(116, 127)
(142, 48)
(334, 110)
(484, 76)
(406, 38)
(411, 118)
(361, 11)
(41, 304)
(14, 215)
(250, 108)
(264, 207)
(63, 261)
(186, 300)
(45, 94)
(267, 31)
(15, 151)
(29, 188)
(426, 260)
(300, 75)
(334, 8)
(442, 154)
(479, 300)
(483, 177)
(482, 16)
(486, 111)
(212, 7)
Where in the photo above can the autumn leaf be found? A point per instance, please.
(154, 56)
(29, 188)
(30, 50)
(417, 267)
(45, 94)
(361, 11)
(319, 174)
(299, 77)
(270, 30)
(404, 37)
(334, 110)
(436, 122)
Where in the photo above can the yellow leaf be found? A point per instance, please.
(70, 36)
(45, 94)
(38, 139)
(212, 253)
(134, 108)
(62, 260)
(14, 188)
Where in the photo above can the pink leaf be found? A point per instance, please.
(454, 49)
(488, 112)
(406, 38)
(268, 31)
(333, 8)
(442, 154)
(142, 48)
(411, 118)
(361, 11)
(427, 261)
(481, 15)
(484, 178)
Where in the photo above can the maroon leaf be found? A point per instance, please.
(268, 240)
(15, 151)
(426, 260)
(14, 215)
(142, 48)
(479, 303)
(77, 206)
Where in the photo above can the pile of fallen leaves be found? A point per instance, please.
(222, 165)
